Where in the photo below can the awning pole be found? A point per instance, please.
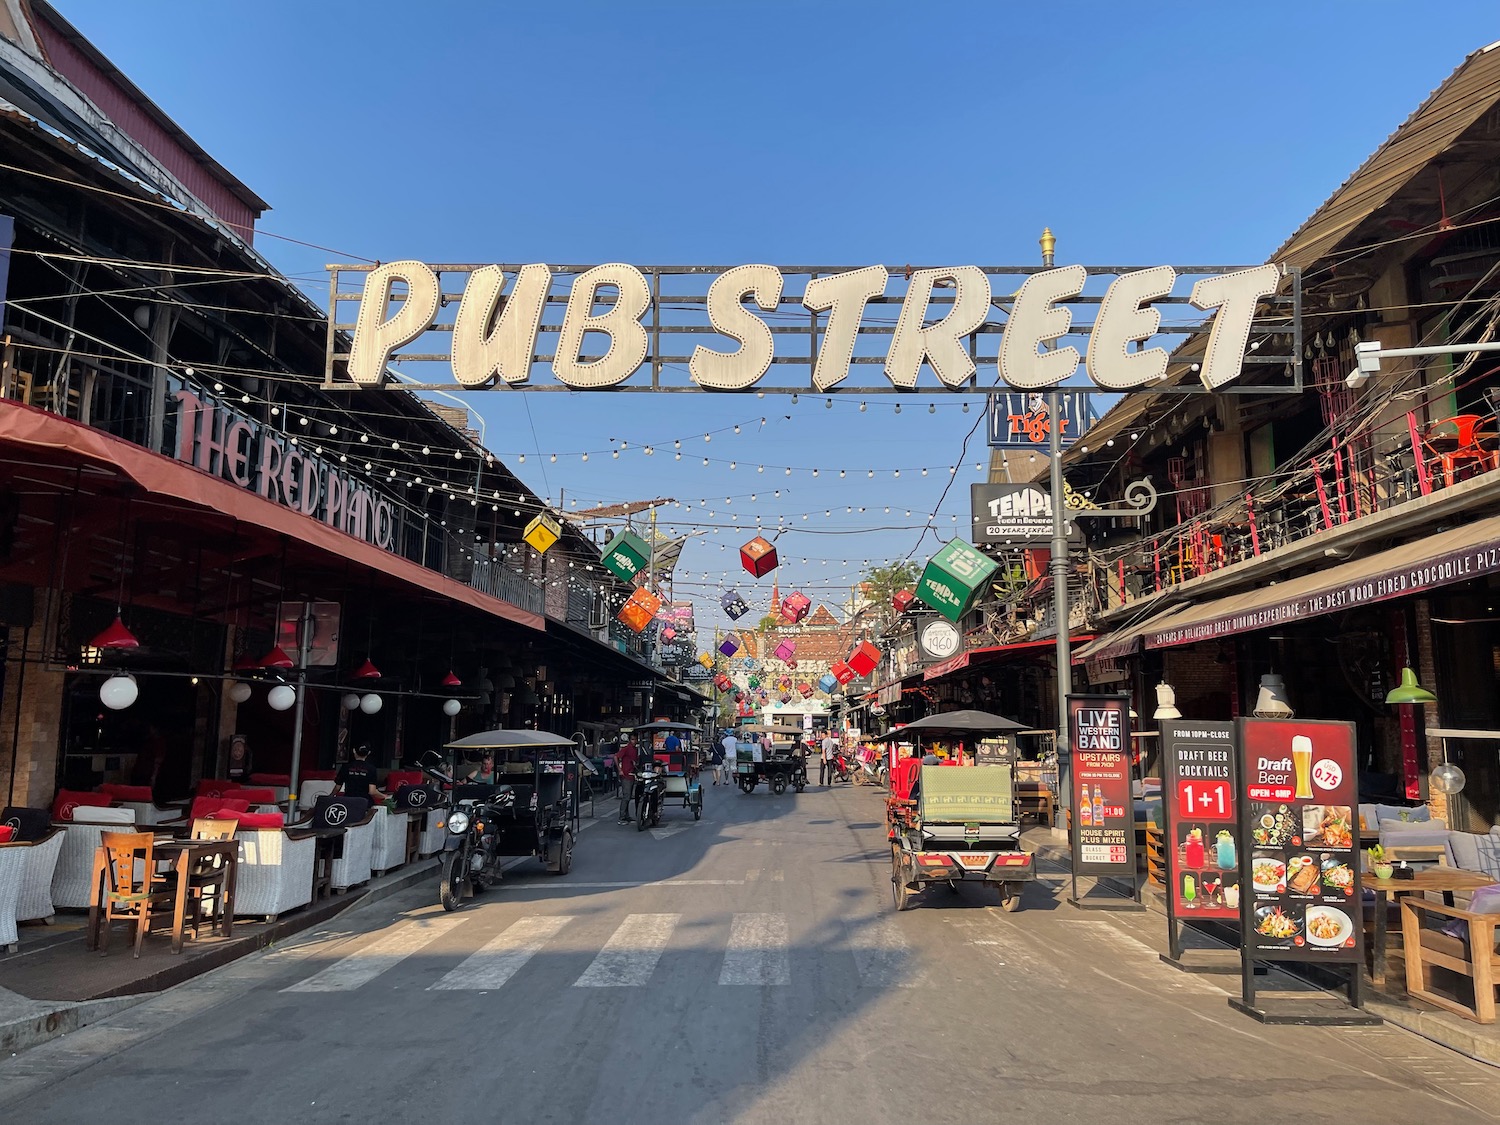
(304, 637)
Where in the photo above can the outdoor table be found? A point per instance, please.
(1444, 879)
(183, 855)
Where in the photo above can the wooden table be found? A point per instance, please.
(1443, 879)
(183, 856)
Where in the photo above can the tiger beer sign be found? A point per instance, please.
(610, 322)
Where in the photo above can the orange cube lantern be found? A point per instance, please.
(758, 556)
(805, 690)
(640, 610)
(864, 658)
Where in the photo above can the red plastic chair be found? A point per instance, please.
(1467, 451)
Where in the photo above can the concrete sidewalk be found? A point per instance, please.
(54, 985)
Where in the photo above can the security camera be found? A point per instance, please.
(1367, 352)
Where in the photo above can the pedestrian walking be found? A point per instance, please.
(729, 745)
(827, 770)
(625, 762)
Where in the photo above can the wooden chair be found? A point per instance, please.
(1426, 948)
(123, 893)
(207, 877)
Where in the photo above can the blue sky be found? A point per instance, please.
(660, 133)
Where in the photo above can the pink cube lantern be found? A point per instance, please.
(785, 650)
(795, 606)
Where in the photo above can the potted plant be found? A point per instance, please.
(1381, 866)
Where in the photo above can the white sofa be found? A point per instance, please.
(434, 832)
(275, 871)
(12, 876)
(72, 880)
(389, 848)
(352, 865)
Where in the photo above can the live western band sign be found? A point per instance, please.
(726, 327)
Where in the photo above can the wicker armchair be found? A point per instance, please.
(12, 876)
(352, 865)
(275, 871)
(389, 847)
(434, 833)
(41, 855)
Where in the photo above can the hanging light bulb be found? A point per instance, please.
(931, 408)
(350, 702)
(451, 707)
(118, 692)
(239, 692)
(281, 697)
(1446, 778)
(371, 704)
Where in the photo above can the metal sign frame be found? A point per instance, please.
(676, 317)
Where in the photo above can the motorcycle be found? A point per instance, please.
(470, 859)
(842, 764)
(650, 784)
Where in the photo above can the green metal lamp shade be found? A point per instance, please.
(1409, 691)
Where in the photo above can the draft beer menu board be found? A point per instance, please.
(1299, 818)
(1203, 838)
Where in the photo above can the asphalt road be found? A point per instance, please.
(745, 968)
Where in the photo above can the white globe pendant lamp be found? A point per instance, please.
(118, 692)
(452, 707)
(281, 697)
(239, 692)
(371, 704)
(350, 702)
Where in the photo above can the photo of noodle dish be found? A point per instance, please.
(1274, 922)
(1328, 926)
(1337, 875)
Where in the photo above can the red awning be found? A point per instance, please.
(39, 436)
(992, 653)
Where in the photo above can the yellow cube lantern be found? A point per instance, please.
(542, 532)
(706, 660)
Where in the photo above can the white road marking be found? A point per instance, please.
(503, 956)
(569, 885)
(383, 953)
(883, 958)
(757, 952)
(630, 955)
(672, 830)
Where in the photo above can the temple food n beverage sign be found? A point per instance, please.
(1103, 808)
(612, 321)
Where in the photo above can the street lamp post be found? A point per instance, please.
(1059, 561)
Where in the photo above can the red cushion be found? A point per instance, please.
(215, 787)
(319, 775)
(271, 778)
(254, 796)
(126, 792)
(7, 833)
(68, 799)
(397, 778)
(206, 806)
(252, 819)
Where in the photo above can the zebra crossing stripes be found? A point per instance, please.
(630, 955)
(383, 953)
(503, 955)
(757, 952)
(882, 956)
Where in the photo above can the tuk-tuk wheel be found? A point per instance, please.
(799, 785)
(899, 894)
(1010, 896)
(698, 809)
(778, 785)
(563, 862)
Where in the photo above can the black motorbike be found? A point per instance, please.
(471, 861)
(650, 784)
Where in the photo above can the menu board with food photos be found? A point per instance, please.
(1200, 803)
(1299, 868)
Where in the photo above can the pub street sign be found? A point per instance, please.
(493, 339)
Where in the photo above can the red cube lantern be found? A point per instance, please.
(794, 607)
(901, 599)
(805, 690)
(842, 672)
(722, 682)
(758, 556)
(668, 633)
(864, 658)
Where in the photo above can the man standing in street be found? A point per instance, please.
(625, 762)
(827, 771)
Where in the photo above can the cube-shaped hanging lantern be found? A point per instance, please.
(706, 660)
(729, 645)
(864, 658)
(784, 697)
(754, 683)
(785, 650)
(758, 556)
(805, 690)
(722, 682)
(668, 633)
(625, 555)
(827, 683)
(955, 579)
(902, 599)
(795, 606)
(739, 697)
(634, 617)
(842, 672)
(785, 683)
(734, 605)
(542, 532)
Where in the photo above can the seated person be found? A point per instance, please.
(484, 773)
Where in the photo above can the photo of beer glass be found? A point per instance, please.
(1302, 766)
